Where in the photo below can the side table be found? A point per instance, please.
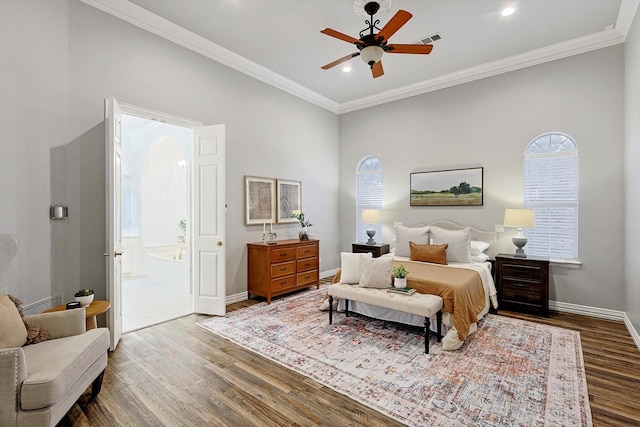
(377, 250)
(91, 311)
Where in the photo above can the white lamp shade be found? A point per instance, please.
(371, 54)
(371, 216)
(519, 218)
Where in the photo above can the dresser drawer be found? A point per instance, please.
(308, 277)
(284, 254)
(531, 272)
(283, 283)
(307, 251)
(307, 264)
(284, 269)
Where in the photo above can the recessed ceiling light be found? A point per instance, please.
(508, 11)
(346, 69)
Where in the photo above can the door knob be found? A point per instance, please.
(115, 254)
(219, 243)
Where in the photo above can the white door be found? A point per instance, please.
(113, 254)
(209, 221)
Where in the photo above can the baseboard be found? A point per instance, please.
(632, 331)
(39, 306)
(585, 310)
(328, 273)
(242, 296)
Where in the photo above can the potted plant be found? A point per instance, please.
(304, 223)
(182, 225)
(84, 297)
(400, 274)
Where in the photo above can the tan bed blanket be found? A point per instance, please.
(461, 290)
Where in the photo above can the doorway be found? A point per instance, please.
(156, 199)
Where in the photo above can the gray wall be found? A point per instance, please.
(632, 159)
(60, 60)
(489, 123)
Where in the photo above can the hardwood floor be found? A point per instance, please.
(178, 374)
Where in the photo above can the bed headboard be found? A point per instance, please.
(476, 234)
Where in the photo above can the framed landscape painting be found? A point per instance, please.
(259, 200)
(289, 200)
(456, 187)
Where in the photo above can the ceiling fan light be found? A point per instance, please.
(371, 54)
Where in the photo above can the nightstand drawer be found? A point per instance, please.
(531, 272)
(525, 297)
(510, 285)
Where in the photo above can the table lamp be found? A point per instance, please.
(371, 216)
(519, 218)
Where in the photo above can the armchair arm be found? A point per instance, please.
(13, 371)
(60, 324)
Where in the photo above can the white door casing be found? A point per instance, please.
(113, 253)
(209, 221)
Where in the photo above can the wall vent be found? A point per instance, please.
(38, 306)
(430, 39)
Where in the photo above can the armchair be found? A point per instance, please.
(39, 383)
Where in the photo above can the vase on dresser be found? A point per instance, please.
(302, 234)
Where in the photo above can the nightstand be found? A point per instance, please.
(377, 250)
(523, 284)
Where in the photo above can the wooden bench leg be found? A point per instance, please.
(439, 326)
(330, 309)
(427, 326)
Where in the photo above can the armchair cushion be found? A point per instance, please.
(60, 324)
(13, 333)
(54, 366)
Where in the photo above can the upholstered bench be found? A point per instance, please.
(419, 304)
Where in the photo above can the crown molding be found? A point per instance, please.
(155, 24)
(159, 26)
(535, 57)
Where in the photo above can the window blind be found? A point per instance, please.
(368, 195)
(551, 189)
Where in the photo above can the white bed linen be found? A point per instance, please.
(451, 340)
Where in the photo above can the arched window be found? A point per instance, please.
(551, 189)
(368, 195)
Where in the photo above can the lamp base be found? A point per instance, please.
(371, 240)
(519, 242)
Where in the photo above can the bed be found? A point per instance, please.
(467, 288)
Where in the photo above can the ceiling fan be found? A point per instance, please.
(371, 46)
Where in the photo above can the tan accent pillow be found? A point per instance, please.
(12, 330)
(436, 254)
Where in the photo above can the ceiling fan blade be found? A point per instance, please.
(377, 70)
(339, 35)
(423, 49)
(340, 61)
(399, 19)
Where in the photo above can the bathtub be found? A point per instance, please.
(164, 266)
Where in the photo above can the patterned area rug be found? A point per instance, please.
(509, 373)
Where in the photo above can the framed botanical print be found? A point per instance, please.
(289, 200)
(259, 200)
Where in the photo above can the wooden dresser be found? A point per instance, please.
(284, 267)
(523, 284)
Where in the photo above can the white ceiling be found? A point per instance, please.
(279, 41)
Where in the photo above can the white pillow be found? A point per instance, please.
(404, 235)
(480, 258)
(459, 249)
(350, 266)
(478, 247)
(375, 272)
